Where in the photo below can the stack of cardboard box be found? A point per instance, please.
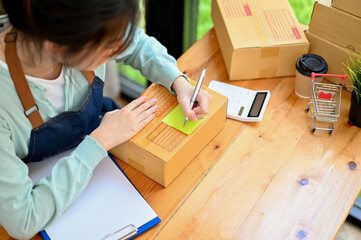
(335, 33)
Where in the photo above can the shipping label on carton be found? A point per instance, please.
(234, 8)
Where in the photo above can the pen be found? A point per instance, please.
(196, 91)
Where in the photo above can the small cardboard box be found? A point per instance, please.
(258, 38)
(350, 6)
(335, 25)
(334, 54)
(162, 152)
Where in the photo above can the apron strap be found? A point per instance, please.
(89, 75)
(21, 85)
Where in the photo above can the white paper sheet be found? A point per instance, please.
(109, 203)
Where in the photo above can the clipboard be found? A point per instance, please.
(109, 208)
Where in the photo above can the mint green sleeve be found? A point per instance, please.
(151, 58)
(26, 209)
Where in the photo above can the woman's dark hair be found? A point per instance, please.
(75, 24)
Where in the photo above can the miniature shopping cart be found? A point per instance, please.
(326, 101)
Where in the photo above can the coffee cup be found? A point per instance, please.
(305, 65)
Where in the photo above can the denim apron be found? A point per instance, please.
(66, 130)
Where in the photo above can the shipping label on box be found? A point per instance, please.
(162, 152)
(350, 6)
(336, 26)
(258, 38)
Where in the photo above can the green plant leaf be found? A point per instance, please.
(353, 72)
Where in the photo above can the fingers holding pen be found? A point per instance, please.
(202, 107)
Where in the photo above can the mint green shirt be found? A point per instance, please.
(26, 209)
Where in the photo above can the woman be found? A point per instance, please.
(51, 65)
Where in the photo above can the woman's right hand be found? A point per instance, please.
(120, 125)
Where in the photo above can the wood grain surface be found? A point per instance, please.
(269, 180)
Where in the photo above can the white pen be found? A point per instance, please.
(196, 91)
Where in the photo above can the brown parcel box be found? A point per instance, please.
(351, 6)
(162, 152)
(259, 38)
(335, 25)
(334, 54)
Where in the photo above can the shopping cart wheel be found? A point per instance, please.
(308, 108)
(331, 131)
(313, 129)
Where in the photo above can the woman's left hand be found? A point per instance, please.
(184, 92)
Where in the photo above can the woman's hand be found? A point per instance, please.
(120, 125)
(184, 92)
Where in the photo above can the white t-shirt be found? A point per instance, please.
(54, 89)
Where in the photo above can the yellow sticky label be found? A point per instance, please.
(176, 118)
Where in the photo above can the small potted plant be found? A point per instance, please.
(354, 74)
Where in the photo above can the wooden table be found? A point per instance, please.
(269, 180)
